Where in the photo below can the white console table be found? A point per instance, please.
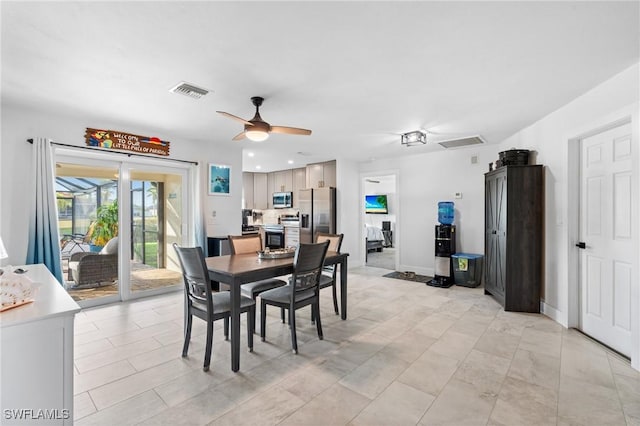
(37, 355)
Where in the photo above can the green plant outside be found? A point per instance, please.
(105, 226)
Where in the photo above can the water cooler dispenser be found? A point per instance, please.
(445, 246)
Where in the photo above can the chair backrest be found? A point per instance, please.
(111, 247)
(386, 225)
(196, 277)
(307, 266)
(241, 244)
(335, 240)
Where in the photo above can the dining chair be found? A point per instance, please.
(202, 302)
(328, 277)
(303, 289)
(242, 244)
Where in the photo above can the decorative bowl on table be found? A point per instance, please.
(277, 253)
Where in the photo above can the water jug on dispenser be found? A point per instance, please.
(445, 212)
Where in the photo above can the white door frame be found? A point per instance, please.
(573, 319)
(363, 217)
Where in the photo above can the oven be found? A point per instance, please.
(274, 236)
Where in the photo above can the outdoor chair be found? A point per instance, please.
(95, 269)
(202, 302)
(303, 289)
(69, 242)
(241, 244)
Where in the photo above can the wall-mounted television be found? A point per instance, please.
(376, 204)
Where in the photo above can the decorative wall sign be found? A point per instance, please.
(110, 139)
(219, 179)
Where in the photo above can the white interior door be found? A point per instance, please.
(606, 228)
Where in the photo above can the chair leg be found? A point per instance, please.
(187, 334)
(335, 298)
(254, 312)
(292, 324)
(207, 352)
(226, 328)
(316, 305)
(282, 314)
(263, 318)
(251, 325)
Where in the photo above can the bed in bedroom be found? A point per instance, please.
(374, 239)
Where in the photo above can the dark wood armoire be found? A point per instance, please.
(514, 235)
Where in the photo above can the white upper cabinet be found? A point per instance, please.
(320, 175)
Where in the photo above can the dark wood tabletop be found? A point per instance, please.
(237, 269)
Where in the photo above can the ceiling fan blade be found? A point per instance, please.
(290, 130)
(235, 117)
(239, 136)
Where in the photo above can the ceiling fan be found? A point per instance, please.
(257, 129)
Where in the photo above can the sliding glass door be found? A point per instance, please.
(156, 223)
(143, 203)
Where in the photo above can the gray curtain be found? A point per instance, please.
(44, 237)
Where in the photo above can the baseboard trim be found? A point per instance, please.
(554, 314)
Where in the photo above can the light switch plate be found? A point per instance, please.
(457, 195)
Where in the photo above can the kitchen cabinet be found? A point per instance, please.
(299, 182)
(283, 181)
(247, 190)
(271, 184)
(513, 236)
(260, 191)
(320, 175)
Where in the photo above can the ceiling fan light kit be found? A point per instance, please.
(256, 135)
(257, 129)
(416, 137)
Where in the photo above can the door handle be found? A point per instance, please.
(581, 245)
(494, 232)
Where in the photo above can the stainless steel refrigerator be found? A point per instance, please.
(317, 212)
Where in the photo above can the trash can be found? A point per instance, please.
(467, 269)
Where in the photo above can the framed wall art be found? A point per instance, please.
(219, 179)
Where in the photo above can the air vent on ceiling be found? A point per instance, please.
(457, 143)
(189, 90)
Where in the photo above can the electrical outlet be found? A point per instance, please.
(214, 213)
(474, 159)
(457, 195)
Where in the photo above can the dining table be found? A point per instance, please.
(237, 269)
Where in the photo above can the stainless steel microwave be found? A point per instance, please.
(282, 200)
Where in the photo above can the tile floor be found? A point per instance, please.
(409, 354)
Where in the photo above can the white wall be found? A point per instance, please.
(426, 179)
(348, 206)
(20, 123)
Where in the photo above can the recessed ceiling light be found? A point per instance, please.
(290, 161)
(250, 154)
(258, 167)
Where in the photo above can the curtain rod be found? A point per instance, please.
(118, 152)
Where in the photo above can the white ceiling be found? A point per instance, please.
(356, 73)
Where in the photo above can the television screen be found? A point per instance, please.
(375, 204)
